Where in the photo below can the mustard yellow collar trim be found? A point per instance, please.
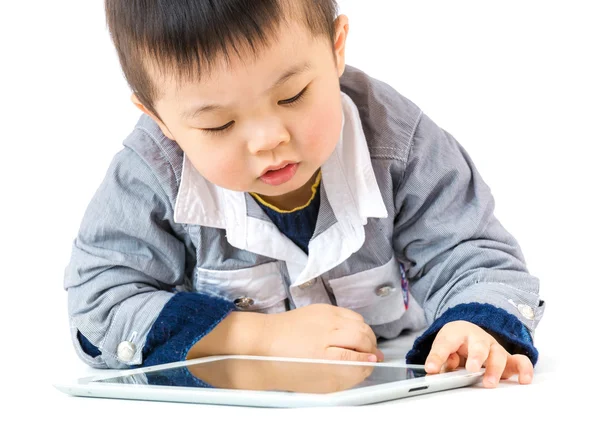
(276, 209)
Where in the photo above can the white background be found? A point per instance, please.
(516, 82)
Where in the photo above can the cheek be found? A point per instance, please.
(220, 164)
(321, 129)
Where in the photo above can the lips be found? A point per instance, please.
(276, 167)
(279, 174)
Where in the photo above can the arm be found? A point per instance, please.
(456, 251)
(127, 263)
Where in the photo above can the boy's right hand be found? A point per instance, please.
(320, 331)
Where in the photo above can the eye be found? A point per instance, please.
(219, 130)
(293, 99)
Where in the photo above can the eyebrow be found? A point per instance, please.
(291, 72)
(287, 75)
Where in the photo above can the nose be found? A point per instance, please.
(267, 135)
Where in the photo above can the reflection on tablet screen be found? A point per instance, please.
(287, 376)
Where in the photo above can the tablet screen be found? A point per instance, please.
(286, 376)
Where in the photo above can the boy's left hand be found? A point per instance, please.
(462, 343)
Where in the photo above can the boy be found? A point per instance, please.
(273, 201)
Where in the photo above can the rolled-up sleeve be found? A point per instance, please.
(454, 248)
(127, 261)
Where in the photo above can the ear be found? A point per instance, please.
(339, 42)
(156, 119)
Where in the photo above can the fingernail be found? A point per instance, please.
(491, 379)
(430, 367)
(526, 378)
(372, 358)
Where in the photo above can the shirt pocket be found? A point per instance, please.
(380, 294)
(259, 288)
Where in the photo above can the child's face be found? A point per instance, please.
(256, 121)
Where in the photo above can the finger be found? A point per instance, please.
(349, 314)
(362, 327)
(451, 364)
(478, 352)
(441, 349)
(521, 365)
(343, 354)
(356, 340)
(495, 364)
(511, 368)
(351, 339)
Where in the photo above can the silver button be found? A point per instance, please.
(126, 351)
(243, 302)
(384, 290)
(526, 311)
(307, 284)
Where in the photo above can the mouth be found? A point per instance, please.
(277, 167)
(279, 174)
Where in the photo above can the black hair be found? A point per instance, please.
(183, 37)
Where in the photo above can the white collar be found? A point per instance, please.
(347, 177)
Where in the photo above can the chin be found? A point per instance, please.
(289, 187)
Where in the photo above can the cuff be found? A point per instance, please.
(505, 327)
(185, 319)
(87, 346)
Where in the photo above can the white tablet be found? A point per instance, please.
(269, 382)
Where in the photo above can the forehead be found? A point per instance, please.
(291, 47)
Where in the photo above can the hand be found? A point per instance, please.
(280, 375)
(465, 344)
(320, 331)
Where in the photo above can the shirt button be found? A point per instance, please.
(126, 351)
(526, 311)
(384, 290)
(307, 284)
(243, 302)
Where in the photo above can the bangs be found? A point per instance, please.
(185, 39)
